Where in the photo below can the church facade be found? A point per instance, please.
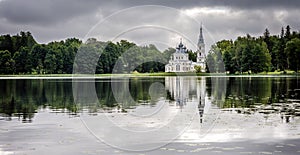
(179, 61)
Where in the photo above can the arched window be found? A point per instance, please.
(177, 67)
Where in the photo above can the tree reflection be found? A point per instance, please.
(23, 98)
(13, 108)
(264, 95)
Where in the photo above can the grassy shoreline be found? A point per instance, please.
(152, 74)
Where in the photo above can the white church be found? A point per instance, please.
(179, 61)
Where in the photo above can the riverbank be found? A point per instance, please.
(267, 74)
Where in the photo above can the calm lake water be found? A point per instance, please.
(83, 115)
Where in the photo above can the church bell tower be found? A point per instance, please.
(201, 51)
(201, 48)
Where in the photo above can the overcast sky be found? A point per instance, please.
(161, 22)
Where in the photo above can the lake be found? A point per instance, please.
(150, 115)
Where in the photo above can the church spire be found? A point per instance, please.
(201, 48)
(201, 39)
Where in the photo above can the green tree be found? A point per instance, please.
(22, 60)
(25, 39)
(274, 51)
(6, 43)
(241, 54)
(198, 69)
(51, 62)
(293, 53)
(37, 58)
(261, 59)
(192, 55)
(282, 57)
(6, 62)
(167, 53)
(210, 63)
(86, 56)
(251, 55)
(271, 42)
(288, 33)
(71, 48)
(226, 48)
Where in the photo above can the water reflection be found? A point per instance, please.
(267, 96)
(21, 99)
(184, 89)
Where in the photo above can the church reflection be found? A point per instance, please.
(187, 89)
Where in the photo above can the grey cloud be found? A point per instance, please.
(242, 22)
(51, 11)
(238, 4)
(44, 11)
(50, 20)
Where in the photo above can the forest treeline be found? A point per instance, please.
(21, 54)
(257, 54)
